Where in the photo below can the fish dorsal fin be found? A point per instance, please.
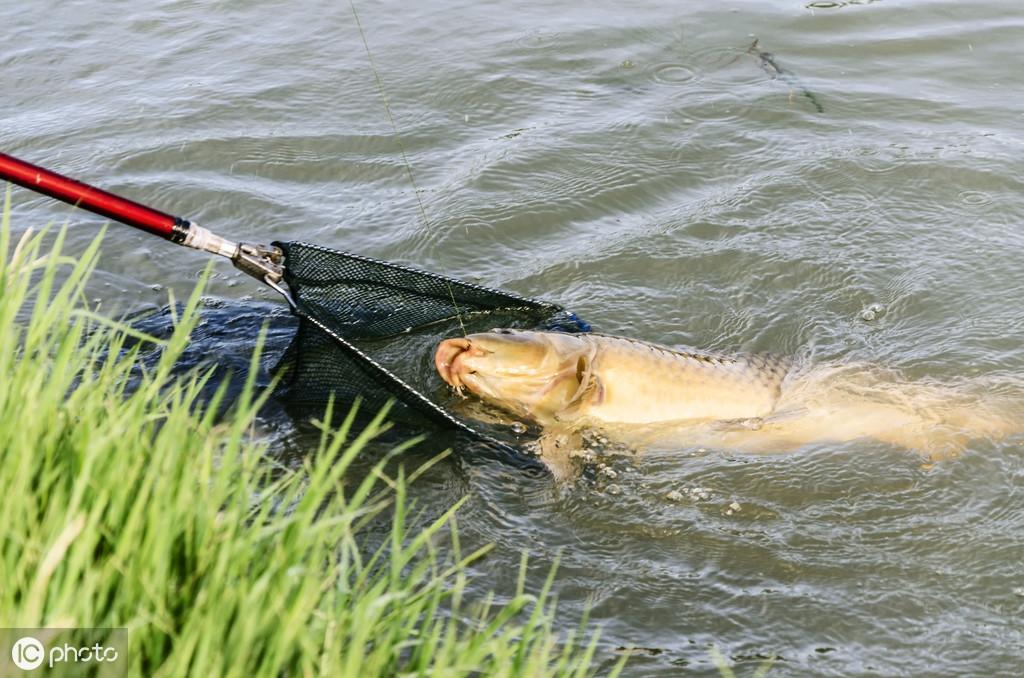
(699, 356)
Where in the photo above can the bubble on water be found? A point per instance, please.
(518, 427)
(614, 489)
(701, 493)
(872, 312)
(694, 493)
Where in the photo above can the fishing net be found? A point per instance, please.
(368, 331)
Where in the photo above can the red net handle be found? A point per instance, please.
(94, 199)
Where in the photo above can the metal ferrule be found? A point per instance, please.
(260, 261)
(203, 239)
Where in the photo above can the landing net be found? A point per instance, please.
(368, 330)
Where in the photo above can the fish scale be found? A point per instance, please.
(646, 383)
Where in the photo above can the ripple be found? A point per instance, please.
(726, 66)
(539, 39)
(714, 106)
(974, 198)
(836, 4)
(849, 197)
(672, 74)
(881, 160)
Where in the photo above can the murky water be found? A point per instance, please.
(636, 163)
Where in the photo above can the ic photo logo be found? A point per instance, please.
(29, 653)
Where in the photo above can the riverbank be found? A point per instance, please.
(129, 505)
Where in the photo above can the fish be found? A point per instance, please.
(551, 377)
(644, 393)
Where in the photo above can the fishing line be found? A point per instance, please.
(401, 146)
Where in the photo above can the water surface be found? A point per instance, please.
(637, 164)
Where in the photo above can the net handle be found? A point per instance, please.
(264, 263)
(96, 200)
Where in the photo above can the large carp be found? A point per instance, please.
(634, 389)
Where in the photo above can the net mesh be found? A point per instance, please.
(368, 330)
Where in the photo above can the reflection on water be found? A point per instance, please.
(639, 166)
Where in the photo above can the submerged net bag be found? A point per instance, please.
(368, 331)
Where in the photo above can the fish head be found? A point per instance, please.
(537, 375)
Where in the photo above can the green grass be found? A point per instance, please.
(138, 508)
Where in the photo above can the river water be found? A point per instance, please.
(850, 189)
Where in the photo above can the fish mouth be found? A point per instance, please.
(449, 358)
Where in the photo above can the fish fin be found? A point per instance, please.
(589, 390)
(557, 447)
(747, 423)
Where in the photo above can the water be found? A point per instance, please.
(635, 163)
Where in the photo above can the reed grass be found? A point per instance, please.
(127, 503)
